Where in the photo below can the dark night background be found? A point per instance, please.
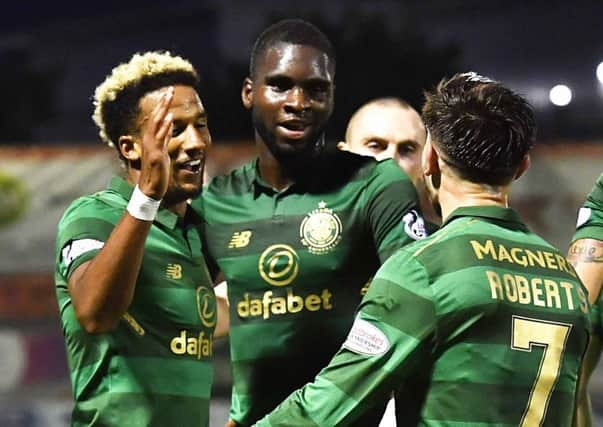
(53, 54)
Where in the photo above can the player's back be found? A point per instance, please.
(510, 326)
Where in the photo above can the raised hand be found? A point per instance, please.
(155, 162)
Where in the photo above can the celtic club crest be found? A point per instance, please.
(320, 231)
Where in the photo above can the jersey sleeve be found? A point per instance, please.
(393, 209)
(589, 224)
(394, 332)
(82, 232)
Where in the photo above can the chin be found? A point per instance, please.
(182, 194)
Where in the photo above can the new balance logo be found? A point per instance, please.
(173, 271)
(240, 239)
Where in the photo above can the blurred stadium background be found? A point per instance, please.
(52, 55)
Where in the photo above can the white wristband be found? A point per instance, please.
(142, 206)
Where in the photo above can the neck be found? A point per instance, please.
(455, 193)
(271, 169)
(427, 209)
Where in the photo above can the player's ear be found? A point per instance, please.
(523, 166)
(247, 93)
(343, 146)
(129, 148)
(429, 159)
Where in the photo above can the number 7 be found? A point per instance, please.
(552, 336)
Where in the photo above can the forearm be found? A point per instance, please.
(310, 406)
(347, 389)
(102, 289)
(352, 384)
(583, 415)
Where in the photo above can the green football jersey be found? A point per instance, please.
(481, 324)
(589, 224)
(296, 263)
(154, 368)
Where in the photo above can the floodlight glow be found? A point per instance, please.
(560, 95)
(600, 72)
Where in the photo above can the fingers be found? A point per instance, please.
(160, 112)
(164, 133)
(160, 125)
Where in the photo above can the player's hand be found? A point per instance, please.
(155, 162)
(230, 423)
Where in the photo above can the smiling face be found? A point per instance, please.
(291, 98)
(189, 142)
(388, 130)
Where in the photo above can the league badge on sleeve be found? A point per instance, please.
(414, 225)
(366, 338)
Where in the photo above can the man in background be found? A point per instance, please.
(389, 128)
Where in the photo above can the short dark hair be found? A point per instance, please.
(291, 31)
(482, 129)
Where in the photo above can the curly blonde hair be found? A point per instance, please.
(116, 100)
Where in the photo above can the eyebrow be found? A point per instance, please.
(409, 141)
(285, 77)
(198, 115)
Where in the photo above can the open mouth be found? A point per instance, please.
(193, 166)
(294, 125)
(294, 128)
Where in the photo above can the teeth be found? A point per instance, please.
(192, 165)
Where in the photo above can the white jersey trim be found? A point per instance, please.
(77, 248)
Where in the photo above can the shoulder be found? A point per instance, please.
(356, 166)
(342, 168)
(416, 252)
(405, 280)
(592, 209)
(599, 186)
(92, 214)
(237, 181)
(95, 205)
(223, 187)
(589, 223)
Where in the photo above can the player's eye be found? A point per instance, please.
(374, 146)
(279, 84)
(318, 89)
(177, 130)
(406, 149)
